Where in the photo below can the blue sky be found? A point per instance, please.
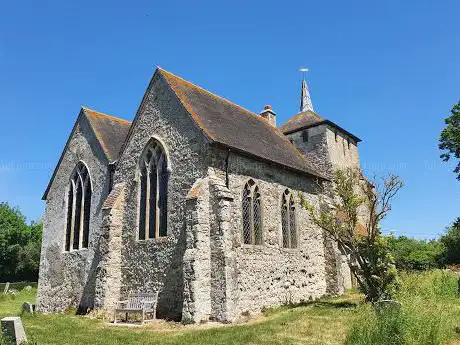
(387, 71)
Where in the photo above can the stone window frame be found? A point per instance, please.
(166, 171)
(289, 206)
(253, 187)
(80, 176)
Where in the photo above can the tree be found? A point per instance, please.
(350, 214)
(19, 245)
(451, 242)
(412, 254)
(450, 138)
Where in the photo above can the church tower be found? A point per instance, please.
(325, 143)
(329, 147)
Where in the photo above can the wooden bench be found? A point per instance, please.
(145, 303)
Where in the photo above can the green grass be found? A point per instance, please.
(320, 323)
(11, 305)
(429, 316)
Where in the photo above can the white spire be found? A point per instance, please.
(305, 100)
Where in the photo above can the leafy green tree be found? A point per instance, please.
(412, 254)
(451, 242)
(19, 245)
(350, 214)
(450, 138)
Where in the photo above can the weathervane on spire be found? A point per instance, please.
(305, 100)
(304, 71)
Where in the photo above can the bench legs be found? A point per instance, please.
(115, 316)
(154, 314)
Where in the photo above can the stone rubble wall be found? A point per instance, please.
(343, 151)
(316, 148)
(266, 275)
(157, 264)
(68, 279)
(108, 284)
(223, 257)
(197, 256)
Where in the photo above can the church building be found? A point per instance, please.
(197, 199)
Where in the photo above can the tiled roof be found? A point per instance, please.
(234, 127)
(110, 131)
(308, 119)
(301, 120)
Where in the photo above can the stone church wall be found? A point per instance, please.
(69, 278)
(269, 275)
(157, 264)
(343, 151)
(202, 268)
(315, 147)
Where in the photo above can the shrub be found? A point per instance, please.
(19, 245)
(412, 254)
(451, 242)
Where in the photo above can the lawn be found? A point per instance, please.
(320, 323)
(431, 314)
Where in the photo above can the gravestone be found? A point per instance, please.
(5, 290)
(13, 330)
(28, 308)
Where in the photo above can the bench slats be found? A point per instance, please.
(138, 302)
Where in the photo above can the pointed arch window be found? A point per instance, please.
(252, 219)
(153, 192)
(288, 221)
(78, 208)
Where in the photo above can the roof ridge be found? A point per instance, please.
(98, 113)
(260, 119)
(207, 91)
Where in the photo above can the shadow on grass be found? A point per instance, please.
(319, 304)
(324, 304)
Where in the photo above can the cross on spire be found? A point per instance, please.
(305, 100)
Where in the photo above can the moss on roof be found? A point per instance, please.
(110, 131)
(233, 126)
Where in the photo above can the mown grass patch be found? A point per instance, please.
(324, 322)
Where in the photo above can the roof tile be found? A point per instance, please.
(110, 131)
(235, 127)
(301, 120)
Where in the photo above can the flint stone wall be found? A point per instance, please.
(69, 278)
(157, 264)
(269, 275)
(202, 268)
